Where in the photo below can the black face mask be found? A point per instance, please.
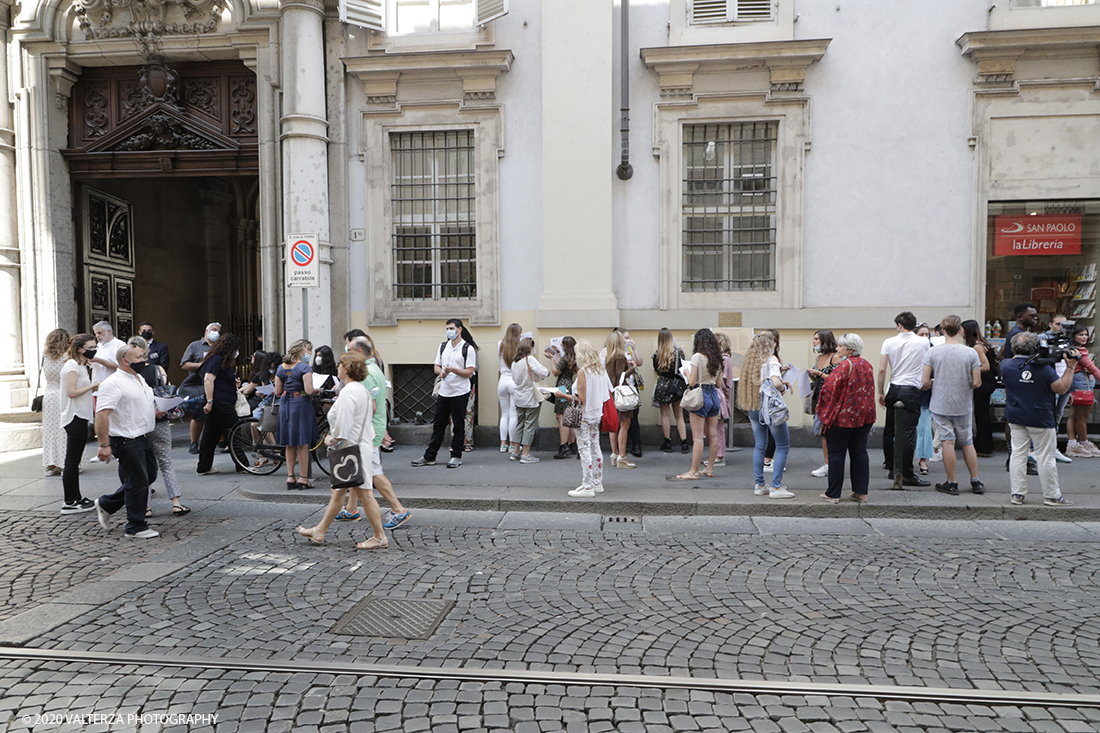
(147, 335)
(138, 366)
(88, 353)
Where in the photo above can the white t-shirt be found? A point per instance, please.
(771, 368)
(131, 400)
(454, 385)
(906, 354)
(106, 352)
(504, 367)
(597, 390)
(75, 406)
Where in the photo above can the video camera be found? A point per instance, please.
(1053, 346)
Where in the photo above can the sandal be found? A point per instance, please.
(830, 499)
(307, 484)
(707, 472)
(858, 498)
(307, 532)
(291, 484)
(688, 476)
(180, 510)
(373, 544)
(923, 471)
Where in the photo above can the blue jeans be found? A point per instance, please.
(782, 437)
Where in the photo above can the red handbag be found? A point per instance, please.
(609, 423)
(1083, 397)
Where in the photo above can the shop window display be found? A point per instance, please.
(1045, 252)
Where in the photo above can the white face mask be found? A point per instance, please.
(212, 335)
(236, 354)
(317, 361)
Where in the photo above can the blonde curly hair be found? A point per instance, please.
(760, 351)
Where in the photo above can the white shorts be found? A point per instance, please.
(376, 461)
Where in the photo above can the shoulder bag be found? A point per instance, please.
(574, 411)
(347, 466)
(773, 410)
(36, 403)
(539, 396)
(626, 395)
(269, 417)
(1083, 397)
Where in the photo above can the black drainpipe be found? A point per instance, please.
(625, 170)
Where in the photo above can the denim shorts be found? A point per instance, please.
(1082, 381)
(712, 406)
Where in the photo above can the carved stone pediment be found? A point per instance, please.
(162, 127)
(147, 21)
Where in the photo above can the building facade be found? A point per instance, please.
(721, 163)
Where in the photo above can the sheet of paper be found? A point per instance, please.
(804, 386)
(551, 390)
(266, 389)
(792, 374)
(527, 335)
(164, 404)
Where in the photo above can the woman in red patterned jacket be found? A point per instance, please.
(846, 409)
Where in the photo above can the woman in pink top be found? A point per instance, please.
(1084, 379)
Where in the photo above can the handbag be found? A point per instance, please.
(1083, 397)
(36, 403)
(773, 410)
(609, 423)
(269, 418)
(571, 417)
(626, 395)
(539, 396)
(347, 466)
(692, 400)
(242, 407)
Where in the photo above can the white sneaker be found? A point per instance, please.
(456, 462)
(582, 492)
(1090, 447)
(1061, 458)
(937, 457)
(767, 468)
(821, 472)
(504, 448)
(719, 462)
(1077, 450)
(102, 515)
(598, 489)
(781, 493)
(145, 534)
(528, 459)
(760, 490)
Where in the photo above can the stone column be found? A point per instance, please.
(305, 160)
(13, 384)
(578, 164)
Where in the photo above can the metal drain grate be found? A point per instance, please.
(394, 618)
(621, 519)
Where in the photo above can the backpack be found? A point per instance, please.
(773, 410)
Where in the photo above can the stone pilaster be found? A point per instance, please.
(305, 160)
(13, 383)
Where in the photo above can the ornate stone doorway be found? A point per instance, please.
(164, 161)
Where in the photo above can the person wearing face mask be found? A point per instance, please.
(76, 412)
(191, 361)
(219, 381)
(158, 352)
(324, 367)
(455, 363)
(297, 420)
(125, 415)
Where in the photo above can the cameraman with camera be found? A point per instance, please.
(1030, 383)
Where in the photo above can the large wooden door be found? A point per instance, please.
(108, 261)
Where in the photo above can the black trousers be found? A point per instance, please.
(453, 410)
(77, 437)
(137, 468)
(844, 442)
(222, 417)
(634, 432)
(983, 426)
(910, 398)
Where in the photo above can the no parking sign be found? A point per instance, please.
(302, 265)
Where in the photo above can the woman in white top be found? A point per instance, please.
(705, 370)
(76, 413)
(526, 371)
(591, 388)
(761, 366)
(506, 388)
(53, 438)
(350, 421)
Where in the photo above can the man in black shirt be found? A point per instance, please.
(1026, 319)
(158, 352)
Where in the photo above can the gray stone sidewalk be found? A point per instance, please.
(487, 481)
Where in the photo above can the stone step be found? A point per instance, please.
(20, 430)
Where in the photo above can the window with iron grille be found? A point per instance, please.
(710, 12)
(412, 392)
(729, 197)
(434, 241)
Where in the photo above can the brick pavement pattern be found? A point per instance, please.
(847, 609)
(257, 702)
(44, 556)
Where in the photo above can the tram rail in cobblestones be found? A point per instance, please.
(582, 679)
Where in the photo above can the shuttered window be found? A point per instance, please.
(364, 13)
(421, 16)
(710, 12)
(490, 10)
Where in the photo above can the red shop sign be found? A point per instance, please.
(1046, 234)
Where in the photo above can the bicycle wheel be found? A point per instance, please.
(259, 457)
(319, 451)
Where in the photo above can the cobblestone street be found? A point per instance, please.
(982, 605)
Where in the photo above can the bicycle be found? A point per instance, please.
(256, 451)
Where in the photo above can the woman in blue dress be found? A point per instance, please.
(297, 420)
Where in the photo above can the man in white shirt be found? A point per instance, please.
(104, 362)
(455, 363)
(125, 415)
(904, 356)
